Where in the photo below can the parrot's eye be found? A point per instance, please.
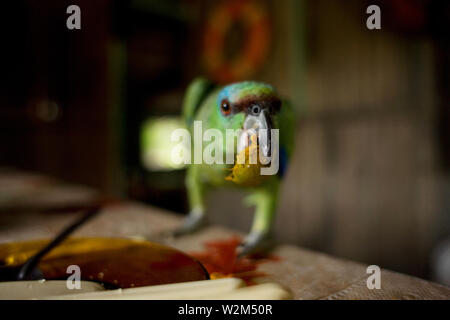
(225, 107)
(255, 110)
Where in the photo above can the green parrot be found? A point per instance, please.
(248, 106)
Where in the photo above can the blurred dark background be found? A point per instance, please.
(369, 180)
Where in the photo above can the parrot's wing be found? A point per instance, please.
(196, 93)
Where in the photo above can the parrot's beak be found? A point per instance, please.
(260, 124)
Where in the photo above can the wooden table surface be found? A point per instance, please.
(308, 274)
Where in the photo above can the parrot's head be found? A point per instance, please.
(250, 106)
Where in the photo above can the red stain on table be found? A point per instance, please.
(221, 261)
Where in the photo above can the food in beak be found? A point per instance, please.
(247, 167)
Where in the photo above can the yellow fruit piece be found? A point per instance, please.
(247, 168)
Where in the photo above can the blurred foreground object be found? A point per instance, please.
(224, 289)
(120, 263)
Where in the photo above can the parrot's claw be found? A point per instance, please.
(255, 242)
(192, 223)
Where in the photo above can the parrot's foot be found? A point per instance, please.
(256, 242)
(193, 222)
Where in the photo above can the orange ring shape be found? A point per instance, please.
(254, 51)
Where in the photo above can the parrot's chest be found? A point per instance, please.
(231, 177)
(215, 174)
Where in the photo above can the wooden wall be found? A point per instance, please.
(364, 181)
